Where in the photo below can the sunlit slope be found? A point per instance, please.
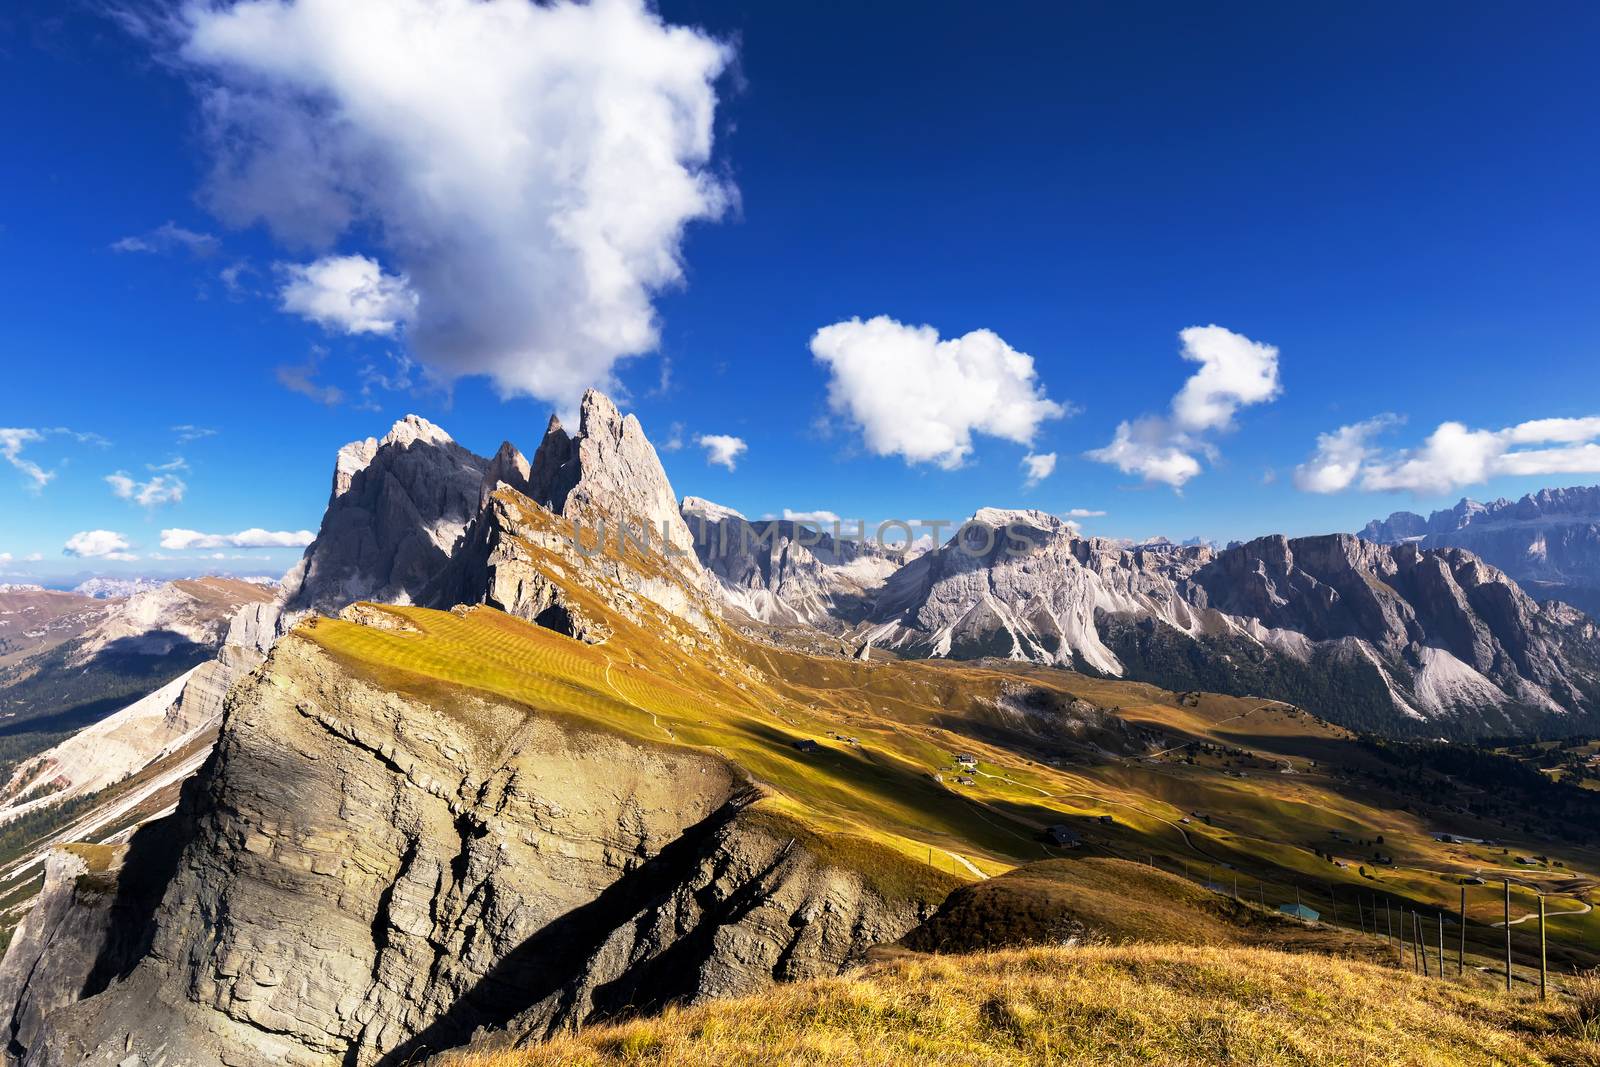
(1114, 1005)
(1275, 788)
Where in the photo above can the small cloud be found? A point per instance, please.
(231, 275)
(162, 489)
(918, 396)
(721, 448)
(178, 540)
(348, 294)
(168, 237)
(12, 441)
(98, 544)
(187, 433)
(299, 378)
(818, 518)
(1084, 513)
(1039, 467)
(176, 463)
(1234, 372)
(674, 440)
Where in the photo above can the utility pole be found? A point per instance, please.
(1461, 952)
(1544, 967)
(1508, 934)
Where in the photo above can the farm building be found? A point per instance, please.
(1065, 836)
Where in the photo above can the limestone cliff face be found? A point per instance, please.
(368, 876)
(397, 507)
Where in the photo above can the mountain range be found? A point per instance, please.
(489, 767)
(1548, 542)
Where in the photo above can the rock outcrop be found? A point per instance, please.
(368, 877)
(1548, 541)
(397, 507)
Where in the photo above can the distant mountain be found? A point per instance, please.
(1548, 541)
(105, 588)
(1398, 639)
(782, 571)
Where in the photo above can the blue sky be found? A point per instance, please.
(1399, 199)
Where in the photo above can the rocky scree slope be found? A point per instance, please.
(1548, 542)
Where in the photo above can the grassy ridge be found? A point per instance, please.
(1304, 787)
(1103, 1005)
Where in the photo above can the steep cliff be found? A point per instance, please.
(396, 508)
(373, 871)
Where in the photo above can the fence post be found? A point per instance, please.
(1461, 952)
(1388, 922)
(1422, 943)
(1441, 944)
(1544, 967)
(1508, 934)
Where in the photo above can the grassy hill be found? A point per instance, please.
(1102, 1005)
(1222, 789)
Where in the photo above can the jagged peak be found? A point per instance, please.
(699, 506)
(413, 429)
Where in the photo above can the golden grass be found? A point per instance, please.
(1105, 1005)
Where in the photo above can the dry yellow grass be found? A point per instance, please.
(1112, 1005)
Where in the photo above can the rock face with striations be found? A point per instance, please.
(397, 507)
(368, 878)
(1389, 638)
(1548, 541)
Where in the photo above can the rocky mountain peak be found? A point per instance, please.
(510, 467)
(607, 472)
(415, 428)
(397, 507)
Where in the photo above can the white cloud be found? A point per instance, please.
(168, 237)
(721, 448)
(921, 398)
(98, 544)
(1452, 457)
(1039, 466)
(33, 557)
(1234, 372)
(1340, 455)
(530, 168)
(162, 489)
(5, 557)
(674, 440)
(349, 294)
(178, 540)
(815, 518)
(1084, 513)
(1149, 447)
(187, 433)
(12, 441)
